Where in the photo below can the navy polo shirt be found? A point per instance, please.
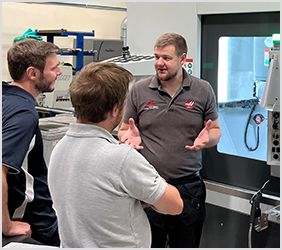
(167, 124)
(22, 152)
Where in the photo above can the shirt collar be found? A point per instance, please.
(91, 130)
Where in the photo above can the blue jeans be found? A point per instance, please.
(182, 230)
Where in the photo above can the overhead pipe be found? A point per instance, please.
(80, 5)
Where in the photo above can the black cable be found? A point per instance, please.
(250, 235)
(98, 51)
(246, 131)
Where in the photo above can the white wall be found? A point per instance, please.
(18, 17)
(146, 21)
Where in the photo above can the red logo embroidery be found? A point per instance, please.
(189, 104)
(151, 105)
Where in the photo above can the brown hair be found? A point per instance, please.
(97, 89)
(26, 53)
(177, 40)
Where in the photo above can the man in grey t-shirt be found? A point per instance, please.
(176, 117)
(98, 185)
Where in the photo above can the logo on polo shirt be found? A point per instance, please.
(189, 104)
(151, 105)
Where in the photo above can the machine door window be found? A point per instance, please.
(242, 74)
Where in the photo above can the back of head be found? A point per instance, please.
(174, 39)
(26, 53)
(97, 89)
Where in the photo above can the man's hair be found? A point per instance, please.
(174, 39)
(97, 89)
(29, 53)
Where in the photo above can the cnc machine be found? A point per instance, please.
(271, 102)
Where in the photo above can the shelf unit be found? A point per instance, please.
(79, 51)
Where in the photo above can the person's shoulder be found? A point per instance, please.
(123, 150)
(18, 112)
(5, 84)
(147, 79)
(198, 83)
(5, 88)
(131, 155)
(13, 93)
(144, 82)
(199, 80)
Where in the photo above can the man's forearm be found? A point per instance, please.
(10, 227)
(214, 136)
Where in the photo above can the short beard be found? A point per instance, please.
(168, 77)
(42, 86)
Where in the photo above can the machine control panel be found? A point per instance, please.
(273, 155)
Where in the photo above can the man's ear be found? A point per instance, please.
(115, 111)
(183, 58)
(32, 73)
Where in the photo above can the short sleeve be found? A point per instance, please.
(140, 179)
(17, 133)
(211, 105)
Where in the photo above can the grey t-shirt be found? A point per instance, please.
(167, 124)
(96, 185)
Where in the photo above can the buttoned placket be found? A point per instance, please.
(172, 98)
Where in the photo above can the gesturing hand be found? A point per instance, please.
(132, 136)
(202, 139)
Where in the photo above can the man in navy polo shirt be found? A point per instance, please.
(26, 202)
(175, 116)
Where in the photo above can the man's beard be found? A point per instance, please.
(166, 77)
(43, 86)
